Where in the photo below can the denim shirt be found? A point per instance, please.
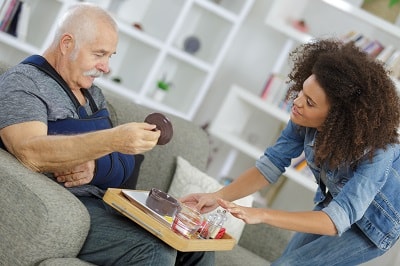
(368, 197)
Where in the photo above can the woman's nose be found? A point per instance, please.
(298, 101)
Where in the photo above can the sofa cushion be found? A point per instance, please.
(239, 256)
(188, 179)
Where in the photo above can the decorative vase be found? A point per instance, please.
(159, 95)
(161, 91)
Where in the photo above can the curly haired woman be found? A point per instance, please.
(345, 118)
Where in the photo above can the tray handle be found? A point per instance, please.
(149, 228)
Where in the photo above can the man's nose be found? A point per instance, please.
(104, 66)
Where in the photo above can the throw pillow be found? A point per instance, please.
(188, 179)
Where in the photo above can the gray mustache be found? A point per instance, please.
(94, 73)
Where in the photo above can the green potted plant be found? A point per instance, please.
(163, 86)
(393, 2)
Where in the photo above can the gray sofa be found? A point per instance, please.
(41, 223)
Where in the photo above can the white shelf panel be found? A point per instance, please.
(288, 30)
(306, 182)
(190, 59)
(17, 44)
(106, 84)
(255, 153)
(217, 10)
(279, 18)
(236, 142)
(142, 36)
(367, 17)
(232, 117)
(256, 101)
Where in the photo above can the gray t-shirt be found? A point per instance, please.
(29, 94)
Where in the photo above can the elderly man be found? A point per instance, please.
(55, 121)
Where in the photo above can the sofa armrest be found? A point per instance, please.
(39, 218)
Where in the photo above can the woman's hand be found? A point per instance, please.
(248, 214)
(204, 202)
(312, 222)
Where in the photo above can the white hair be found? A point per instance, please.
(82, 21)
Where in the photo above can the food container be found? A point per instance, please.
(162, 203)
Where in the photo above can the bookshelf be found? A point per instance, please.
(236, 125)
(318, 16)
(153, 35)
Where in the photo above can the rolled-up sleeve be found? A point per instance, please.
(275, 158)
(339, 217)
(268, 169)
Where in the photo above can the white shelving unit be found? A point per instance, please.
(237, 113)
(152, 53)
(236, 124)
(319, 15)
(316, 14)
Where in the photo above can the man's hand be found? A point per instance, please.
(134, 138)
(80, 175)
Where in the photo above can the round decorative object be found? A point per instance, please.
(191, 44)
(163, 124)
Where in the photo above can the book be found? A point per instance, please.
(373, 48)
(301, 165)
(4, 8)
(362, 41)
(9, 10)
(393, 64)
(348, 36)
(274, 88)
(11, 27)
(385, 54)
(266, 88)
(23, 20)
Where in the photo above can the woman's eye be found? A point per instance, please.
(309, 102)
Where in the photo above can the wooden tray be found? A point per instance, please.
(162, 228)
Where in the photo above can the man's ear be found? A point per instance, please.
(66, 43)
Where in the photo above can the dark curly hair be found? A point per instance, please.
(364, 112)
